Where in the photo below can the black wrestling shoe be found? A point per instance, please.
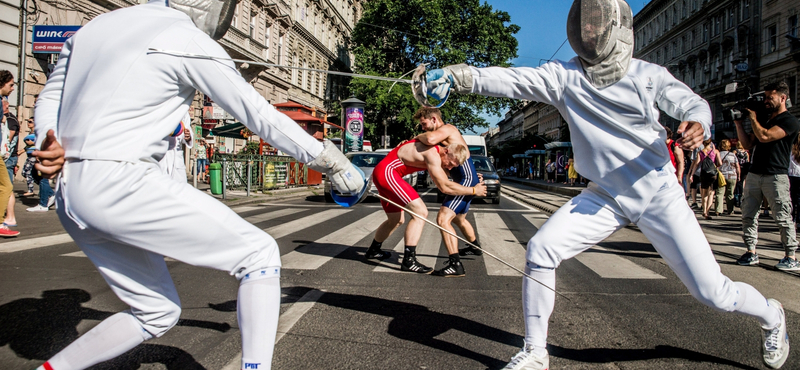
(451, 269)
(377, 254)
(470, 251)
(411, 264)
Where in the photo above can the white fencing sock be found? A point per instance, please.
(752, 303)
(258, 309)
(109, 339)
(537, 305)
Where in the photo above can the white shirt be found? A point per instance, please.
(794, 167)
(108, 98)
(617, 140)
(729, 161)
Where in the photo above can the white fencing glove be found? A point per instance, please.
(342, 174)
(457, 77)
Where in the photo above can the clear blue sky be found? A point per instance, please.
(543, 29)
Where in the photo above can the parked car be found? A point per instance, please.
(483, 165)
(366, 161)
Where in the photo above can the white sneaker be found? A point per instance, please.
(776, 341)
(38, 208)
(51, 201)
(526, 360)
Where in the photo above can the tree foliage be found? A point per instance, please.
(394, 36)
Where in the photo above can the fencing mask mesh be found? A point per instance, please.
(212, 16)
(601, 33)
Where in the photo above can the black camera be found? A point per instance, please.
(735, 111)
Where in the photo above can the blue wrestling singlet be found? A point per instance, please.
(465, 175)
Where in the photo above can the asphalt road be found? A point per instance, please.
(625, 308)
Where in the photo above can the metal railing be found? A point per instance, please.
(253, 172)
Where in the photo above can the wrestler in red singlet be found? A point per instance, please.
(388, 178)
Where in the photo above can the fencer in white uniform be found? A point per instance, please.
(610, 102)
(111, 102)
(173, 163)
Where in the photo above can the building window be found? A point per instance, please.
(253, 22)
(705, 32)
(666, 54)
(792, 26)
(729, 62)
(683, 10)
(731, 17)
(674, 14)
(772, 39)
(294, 70)
(674, 49)
(280, 50)
(683, 44)
(746, 9)
(235, 21)
(694, 5)
(305, 76)
(266, 35)
(717, 21)
(658, 57)
(666, 21)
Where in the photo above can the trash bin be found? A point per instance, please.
(215, 172)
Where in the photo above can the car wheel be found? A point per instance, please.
(496, 200)
(328, 198)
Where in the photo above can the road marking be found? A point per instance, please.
(245, 209)
(604, 262)
(518, 202)
(42, 241)
(427, 250)
(287, 228)
(289, 318)
(739, 244)
(316, 254)
(273, 214)
(501, 242)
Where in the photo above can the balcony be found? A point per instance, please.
(238, 42)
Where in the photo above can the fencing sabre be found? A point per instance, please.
(418, 81)
(468, 243)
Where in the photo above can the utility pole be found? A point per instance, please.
(23, 53)
(385, 138)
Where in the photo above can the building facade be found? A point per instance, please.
(707, 44)
(10, 18)
(780, 59)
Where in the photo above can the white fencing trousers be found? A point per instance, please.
(669, 224)
(127, 216)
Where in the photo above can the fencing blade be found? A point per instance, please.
(209, 57)
(468, 243)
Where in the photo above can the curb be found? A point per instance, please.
(242, 199)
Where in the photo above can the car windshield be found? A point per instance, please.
(366, 160)
(482, 164)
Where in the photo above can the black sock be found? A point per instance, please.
(476, 242)
(455, 258)
(376, 245)
(410, 251)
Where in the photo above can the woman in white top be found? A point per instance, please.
(730, 169)
(794, 179)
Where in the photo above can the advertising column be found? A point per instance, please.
(353, 123)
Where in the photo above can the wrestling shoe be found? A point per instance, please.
(788, 264)
(526, 360)
(377, 254)
(748, 259)
(776, 341)
(411, 264)
(451, 269)
(470, 251)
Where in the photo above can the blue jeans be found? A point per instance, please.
(11, 162)
(45, 192)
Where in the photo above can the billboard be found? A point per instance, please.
(354, 129)
(50, 39)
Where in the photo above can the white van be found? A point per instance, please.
(476, 144)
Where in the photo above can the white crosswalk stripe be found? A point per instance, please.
(427, 249)
(316, 254)
(290, 227)
(273, 214)
(498, 240)
(32, 243)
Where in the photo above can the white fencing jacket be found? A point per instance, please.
(616, 138)
(108, 98)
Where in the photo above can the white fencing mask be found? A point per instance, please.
(601, 33)
(212, 16)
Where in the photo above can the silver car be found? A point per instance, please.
(366, 161)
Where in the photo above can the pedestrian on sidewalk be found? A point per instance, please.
(30, 160)
(707, 161)
(675, 155)
(572, 173)
(794, 180)
(10, 156)
(771, 142)
(744, 167)
(730, 169)
(602, 93)
(550, 170)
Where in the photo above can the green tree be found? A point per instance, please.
(394, 36)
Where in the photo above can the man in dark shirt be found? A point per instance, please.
(771, 144)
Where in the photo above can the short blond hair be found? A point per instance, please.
(459, 152)
(725, 145)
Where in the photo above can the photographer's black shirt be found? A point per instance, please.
(772, 158)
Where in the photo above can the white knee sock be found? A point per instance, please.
(259, 306)
(111, 338)
(752, 303)
(537, 305)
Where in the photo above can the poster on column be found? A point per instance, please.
(561, 162)
(354, 129)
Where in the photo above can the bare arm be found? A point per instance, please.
(435, 137)
(439, 177)
(717, 159)
(679, 161)
(693, 168)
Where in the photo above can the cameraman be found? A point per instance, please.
(771, 144)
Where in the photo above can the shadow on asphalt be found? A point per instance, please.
(614, 355)
(37, 328)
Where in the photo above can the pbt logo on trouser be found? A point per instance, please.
(251, 365)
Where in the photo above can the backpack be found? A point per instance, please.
(707, 167)
(742, 157)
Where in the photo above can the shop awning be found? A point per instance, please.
(558, 144)
(233, 130)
